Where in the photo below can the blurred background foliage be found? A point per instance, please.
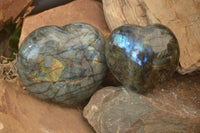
(9, 38)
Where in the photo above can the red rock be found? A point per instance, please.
(86, 11)
(4, 47)
(42, 5)
(171, 108)
(11, 9)
(20, 112)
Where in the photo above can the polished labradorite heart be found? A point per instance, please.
(65, 65)
(141, 57)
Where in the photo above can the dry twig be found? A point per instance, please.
(8, 70)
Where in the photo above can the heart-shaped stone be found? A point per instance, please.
(65, 65)
(141, 57)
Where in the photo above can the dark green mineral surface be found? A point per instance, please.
(64, 65)
(141, 57)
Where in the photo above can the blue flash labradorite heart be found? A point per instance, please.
(140, 58)
(64, 65)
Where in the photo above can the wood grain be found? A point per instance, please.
(181, 16)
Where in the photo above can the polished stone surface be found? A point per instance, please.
(141, 57)
(64, 65)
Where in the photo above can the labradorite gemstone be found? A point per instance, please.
(64, 65)
(142, 57)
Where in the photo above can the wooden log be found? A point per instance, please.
(182, 17)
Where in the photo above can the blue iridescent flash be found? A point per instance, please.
(132, 48)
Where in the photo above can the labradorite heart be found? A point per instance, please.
(142, 57)
(64, 65)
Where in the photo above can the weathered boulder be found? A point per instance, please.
(22, 113)
(42, 5)
(85, 11)
(172, 107)
(10, 10)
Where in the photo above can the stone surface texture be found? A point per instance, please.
(85, 11)
(173, 107)
(22, 113)
(10, 10)
(64, 65)
(140, 58)
(182, 17)
(42, 5)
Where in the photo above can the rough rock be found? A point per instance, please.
(10, 10)
(22, 113)
(182, 17)
(85, 11)
(42, 5)
(172, 107)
